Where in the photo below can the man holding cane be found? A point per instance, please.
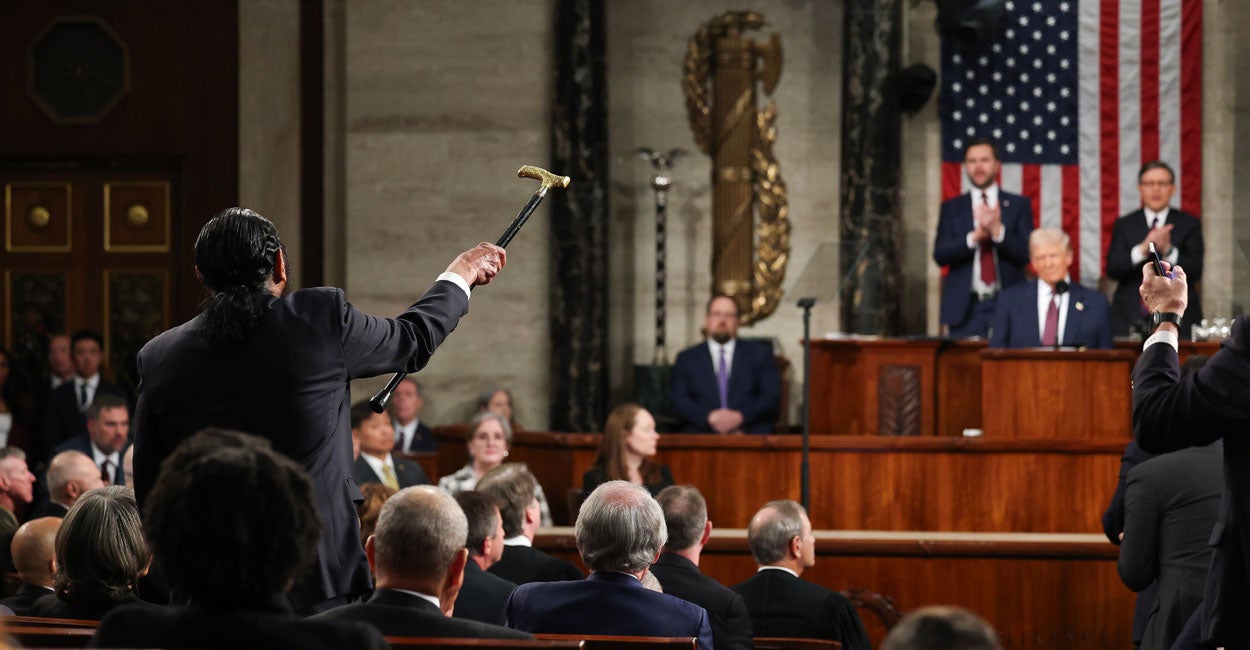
(1171, 413)
(274, 363)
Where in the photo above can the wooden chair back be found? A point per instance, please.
(50, 637)
(39, 621)
(423, 643)
(608, 642)
(783, 643)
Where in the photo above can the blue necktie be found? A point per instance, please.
(722, 380)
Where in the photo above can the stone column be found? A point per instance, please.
(579, 264)
(871, 220)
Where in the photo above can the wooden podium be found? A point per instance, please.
(1057, 394)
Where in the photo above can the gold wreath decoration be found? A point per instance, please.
(773, 226)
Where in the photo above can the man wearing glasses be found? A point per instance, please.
(1177, 237)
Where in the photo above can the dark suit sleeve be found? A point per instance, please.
(760, 412)
(593, 478)
(146, 457)
(1140, 550)
(847, 627)
(705, 631)
(1000, 332)
(682, 393)
(1102, 322)
(738, 624)
(1113, 516)
(1014, 247)
(373, 346)
(1170, 413)
(950, 246)
(1119, 261)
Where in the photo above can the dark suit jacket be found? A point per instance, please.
(950, 249)
(595, 476)
(483, 596)
(82, 443)
(422, 441)
(1015, 319)
(50, 606)
(1171, 413)
(727, 614)
(270, 626)
(782, 605)
(1170, 506)
(1128, 232)
(1113, 525)
(605, 603)
(395, 613)
(288, 382)
(48, 508)
(407, 473)
(62, 420)
(23, 601)
(754, 386)
(523, 564)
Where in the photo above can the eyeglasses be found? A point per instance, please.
(1155, 184)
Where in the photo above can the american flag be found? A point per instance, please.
(1078, 94)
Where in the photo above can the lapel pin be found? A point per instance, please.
(1080, 306)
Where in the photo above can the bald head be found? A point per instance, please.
(419, 534)
(70, 474)
(34, 552)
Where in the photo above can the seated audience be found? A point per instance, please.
(779, 601)
(1171, 503)
(107, 437)
(34, 556)
(230, 554)
(625, 452)
(498, 400)
(1051, 311)
(418, 556)
(620, 531)
(376, 464)
(489, 442)
(411, 434)
(15, 408)
(16, 489)
(941, 628)
(520, 563)
(484, 594)
(685, 516)
(63, 417)
(100, 556)
(368, 510)
(71, 474)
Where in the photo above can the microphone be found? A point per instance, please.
(1061, 287)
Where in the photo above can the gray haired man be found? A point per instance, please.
(620, 531)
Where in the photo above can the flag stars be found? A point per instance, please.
(1024, 21)
(983, 89)
(957, 87)
(983, 61)
(1011, 147)
(1051, 106)
(985, 119)
(1050, 21)
(1037, 120)
(998, 134)
(1037, 92)
(1064, 120)
(1063, 7)
(1037, 149)
(958, 143)
(1064, 92)
(1051, 135)
(1024, 134)
(1024, 48)
(998, 104)
(957, 116)
(1011, 62)
(1065, 149)
(1063, 63)
(1064, 35)
(997, 76)
(1010, 34)
(1011, 119)
(1011, 91)
(1037, 7)
(971, 131)
(1051, 78)
(1037, 36)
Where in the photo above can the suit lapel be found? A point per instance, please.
(1030, 311)
(1072, 328)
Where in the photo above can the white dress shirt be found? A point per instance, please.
(1138, 257)
(714, 348)
(1044, 295)
(991, 195)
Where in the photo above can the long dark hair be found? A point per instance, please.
(235, 255)
(612, 447)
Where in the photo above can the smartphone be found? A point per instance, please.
(1154, 257)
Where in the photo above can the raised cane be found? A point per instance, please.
(546, 180)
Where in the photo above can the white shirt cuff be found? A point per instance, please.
(972, 243)
(1163, 336)
(1173, 256)
(1002, 234)
(455, 279)
(1137, 257)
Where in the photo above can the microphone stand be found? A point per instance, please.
(805, 465)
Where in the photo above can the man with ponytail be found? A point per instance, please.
(276, 363)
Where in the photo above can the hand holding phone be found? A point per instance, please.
(1154, 257)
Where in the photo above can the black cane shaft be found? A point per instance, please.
(377, 403)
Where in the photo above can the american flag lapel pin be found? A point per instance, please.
(1080, 306)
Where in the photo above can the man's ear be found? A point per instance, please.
(484, 548)
(534, 513)
(73, 490)
(279, 266)
(707, 533)
(370, 551)
(796, 546)
(453, 582)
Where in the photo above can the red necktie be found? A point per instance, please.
(988, 275)
(1050, 335)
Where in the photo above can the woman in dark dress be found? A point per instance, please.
(625, 453)
(100, 555)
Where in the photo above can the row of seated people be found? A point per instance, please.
(227, 555)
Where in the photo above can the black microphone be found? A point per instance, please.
(1061, 287)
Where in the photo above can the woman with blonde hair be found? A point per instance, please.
(625, 453)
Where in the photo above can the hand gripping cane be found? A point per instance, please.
(546, 180)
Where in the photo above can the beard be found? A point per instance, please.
(721, 337)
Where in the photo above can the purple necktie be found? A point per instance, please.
(722, 380)
(1050, 335)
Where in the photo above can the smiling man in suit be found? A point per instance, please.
(376, 463)
(726, 385)
(1177, 237)
(982, 239)
(1052, 311)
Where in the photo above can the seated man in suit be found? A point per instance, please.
(70, 474)
(1171, 503)
(484, 594)
(376, 464)
(1052, 311)
(516, 487)
(411, 434)
(64, 419)
(34, 557)
(941, 628)
(779, 601)
(982, 239)
(620, 531)
(231, 523)
(418, 556)
(1177, 236)
(107, 437)
(725, 385)
(685, 516)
